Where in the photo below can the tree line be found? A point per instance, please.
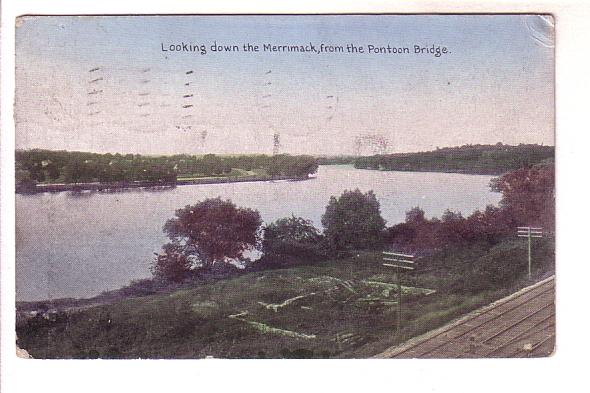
(47, 166)
(476, 159)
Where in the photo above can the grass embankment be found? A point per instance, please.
(338, 308)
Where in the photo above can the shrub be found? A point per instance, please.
(353, 221)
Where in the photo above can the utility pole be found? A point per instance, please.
(404, 262)
(529, 232)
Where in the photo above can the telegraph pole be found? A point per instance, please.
(529, 233)
(404, 262)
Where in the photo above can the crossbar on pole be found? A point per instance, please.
(398, 254)
(401, 267)
(397, 260)
(529, 233)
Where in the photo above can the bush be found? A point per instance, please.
(171, 265)
(353, 221)
(419, 234)
(291, 236)
(290, 241)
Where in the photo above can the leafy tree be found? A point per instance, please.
(300, 166)
(172, 264)
(417, 233)
(52, 171)
(22, 176)
(291, 236)
(528, 194)
(273, 170)
(24, 181)
(415, 216)
(452, 229)
(490, 225)
(353, 221)
(213, 231)
(296, 229)
(450, 216)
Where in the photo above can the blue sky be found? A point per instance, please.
(495, 85)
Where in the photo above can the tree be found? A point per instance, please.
(452, 229)
(24, 181)
(301, 166)
(415, 216)
(291, 237)
(171, 265)
(212, 232)
(22, 176)
(296, 229)
(353, 221)
(416, 234)
(528, 194)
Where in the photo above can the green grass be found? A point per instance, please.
(338, 308)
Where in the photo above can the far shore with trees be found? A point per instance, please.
(470, 159)
(46, 170)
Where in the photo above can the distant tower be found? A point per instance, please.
(276, 143)
(266, 104)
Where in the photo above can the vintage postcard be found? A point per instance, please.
(285, 186)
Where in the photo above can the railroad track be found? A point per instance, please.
(520, 325)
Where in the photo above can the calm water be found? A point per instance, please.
(80, 245)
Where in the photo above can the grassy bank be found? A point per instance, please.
(337, 308)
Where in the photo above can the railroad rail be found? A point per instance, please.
(520, 325)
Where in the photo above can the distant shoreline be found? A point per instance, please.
(441, 170)
(107, 187)
(97, 186)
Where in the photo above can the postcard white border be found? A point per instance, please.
(565, 368)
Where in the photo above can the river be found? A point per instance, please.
(78, 245)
